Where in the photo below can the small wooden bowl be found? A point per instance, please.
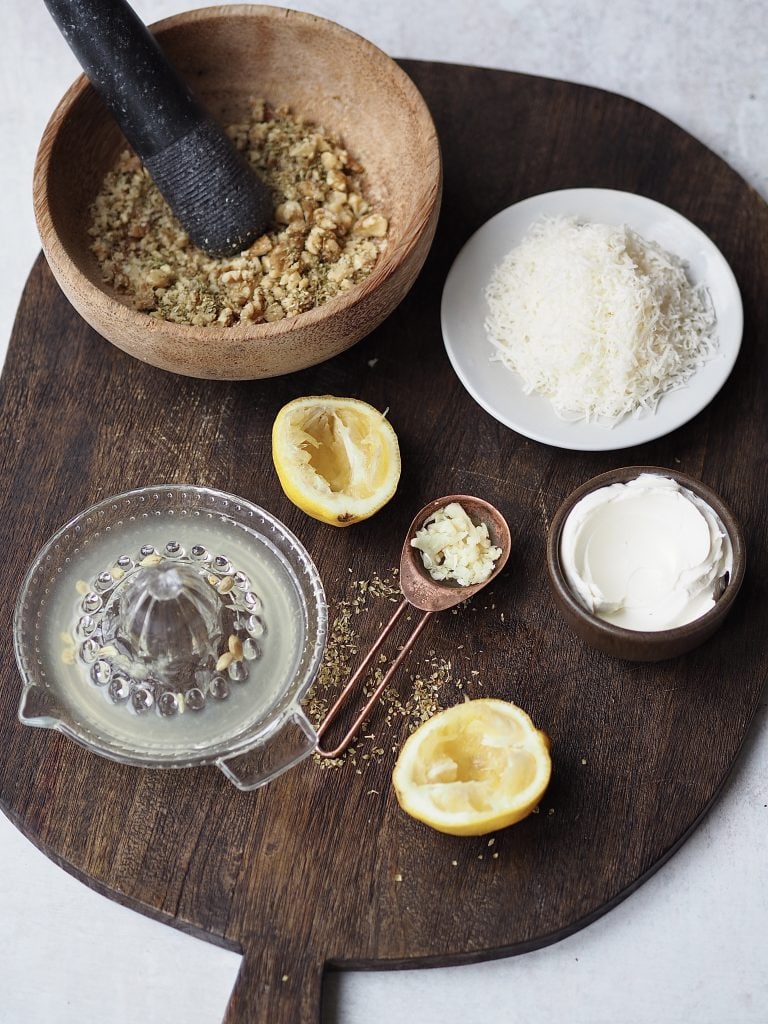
(228, 55)
(640, 645)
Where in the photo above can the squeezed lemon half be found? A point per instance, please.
(474, 768)
(336, 458)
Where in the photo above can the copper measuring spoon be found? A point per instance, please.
(422, 592)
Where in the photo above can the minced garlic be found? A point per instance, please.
(453, 548)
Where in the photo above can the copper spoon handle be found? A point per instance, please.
(360, 673)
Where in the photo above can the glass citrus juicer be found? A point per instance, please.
(174, 626)
(177, 626)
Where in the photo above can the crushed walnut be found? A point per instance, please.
(325, 237)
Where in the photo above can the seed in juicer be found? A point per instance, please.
(224, 661)
(151, 560)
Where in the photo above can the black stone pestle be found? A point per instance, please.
(209, 185)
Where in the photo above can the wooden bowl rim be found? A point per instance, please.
(231, 337)
(648, 639)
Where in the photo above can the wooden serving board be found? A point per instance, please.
(303, 874)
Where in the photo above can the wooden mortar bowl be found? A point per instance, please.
(228, 55)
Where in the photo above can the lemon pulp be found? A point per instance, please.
(336, 458)
(474, 768)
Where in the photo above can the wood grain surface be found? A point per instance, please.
(303, 874)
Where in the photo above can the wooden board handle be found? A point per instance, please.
(280, 982)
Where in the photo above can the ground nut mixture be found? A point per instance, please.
(325, 238)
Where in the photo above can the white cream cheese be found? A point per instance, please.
(645, 555)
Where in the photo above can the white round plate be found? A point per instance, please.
(499, 390)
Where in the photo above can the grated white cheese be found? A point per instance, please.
(599, 320)
(453, 548)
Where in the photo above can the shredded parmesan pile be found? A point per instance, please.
(453, 548)
(597, 319)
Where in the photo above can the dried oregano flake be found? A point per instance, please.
(423, 686)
